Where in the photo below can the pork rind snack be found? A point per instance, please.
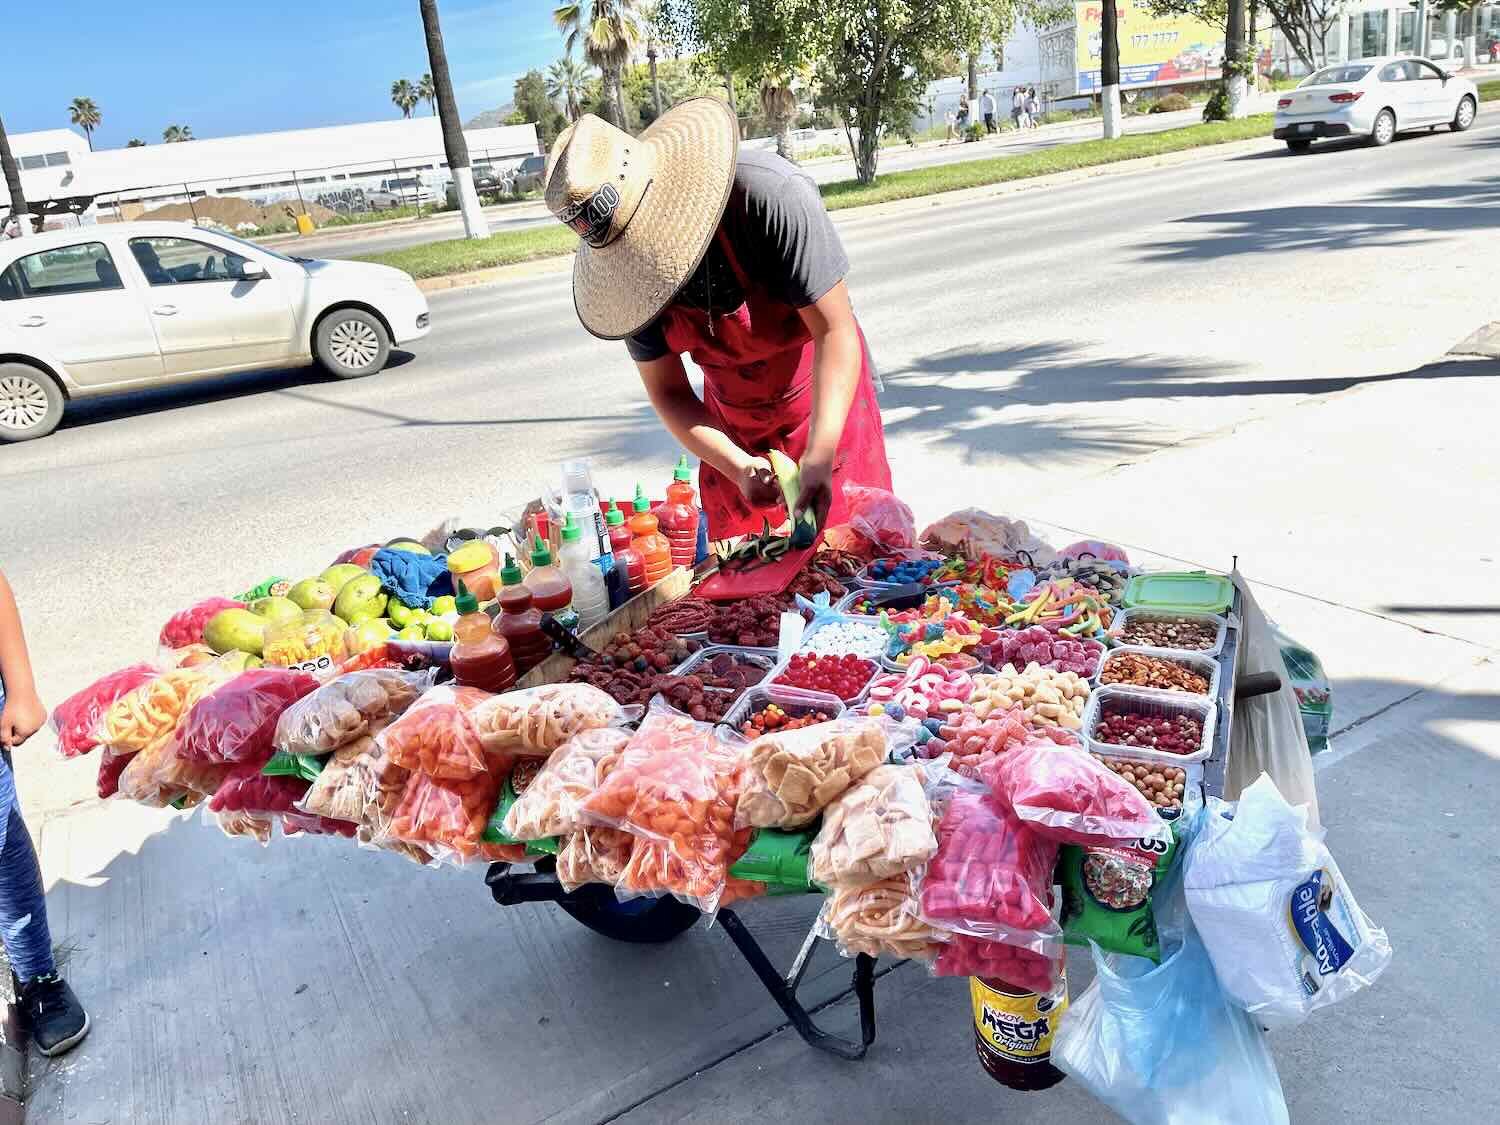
(536, 721)
(437, 736)
(879, 919)
(357, 784)
(593, 855)
(345, 709)
(159, 775)
(549, 806)
(791, 776)
(881, 827)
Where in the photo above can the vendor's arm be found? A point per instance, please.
(688, 420)
(23, 713)
(837, 364)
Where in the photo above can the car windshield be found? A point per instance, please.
(254, 245)
(1339, 74)
(400, 185)
(532, 164)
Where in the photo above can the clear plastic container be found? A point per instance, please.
(822, 623)
(794, 702)
(1118, 630)
(863, 578)
(1182, 591)
(478, 565)
(1205, 666)
(590, 596)
(1155, 704)
(852, 701)
(1192, 789)
(760, 657)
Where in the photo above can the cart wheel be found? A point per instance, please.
(646, 921)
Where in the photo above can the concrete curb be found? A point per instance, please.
(554, 263)
(1485, 342)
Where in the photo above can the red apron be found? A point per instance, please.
(757, 364)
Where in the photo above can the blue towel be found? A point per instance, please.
(413, 580)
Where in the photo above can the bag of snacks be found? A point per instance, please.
(158, 776)
(149, 715)
(791, 776)
(236, 722)
(536, 721)
(675, 786)
(253, 825)
(880, 827)
(549, 806)
(966, 956)
(879, 919)
(313, 643)
(304, 824)
(344, 709)
(248, 790)
(75, 720)
(1106, 895)
(185, 627)
(355, 782)
(991, 877)
(111, 766)
(445, 818)
(593, 855)
(436, 736)
(1070, 797)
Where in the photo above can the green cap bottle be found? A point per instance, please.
(465, 602)
(613, 516)
(540, 554)
(641, 503)
(570, 530)
(510, 573)
(682, 472)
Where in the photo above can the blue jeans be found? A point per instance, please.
(23, 905)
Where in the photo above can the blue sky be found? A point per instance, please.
(259, 65)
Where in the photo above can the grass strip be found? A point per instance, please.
(438, 259)
(1489, 91)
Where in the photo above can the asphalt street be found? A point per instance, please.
(352, 242)
(1239, 356)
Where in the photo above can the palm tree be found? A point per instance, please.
(427, 93)
(610, 31)
(135, 142)
(172, 134)
(86, 116)
(12, 175)
(405, 95)
(567, 79)
(455, 146)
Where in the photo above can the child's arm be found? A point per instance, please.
(24, 714)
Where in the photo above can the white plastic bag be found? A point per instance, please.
(1162, 1044)
(1280, 923)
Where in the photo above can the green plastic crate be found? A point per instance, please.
(1186, 591)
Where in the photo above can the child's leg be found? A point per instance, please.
(23, 905)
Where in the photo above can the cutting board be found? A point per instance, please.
(770, 578)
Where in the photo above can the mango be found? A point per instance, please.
(340, 573)
(236, 630)
(361, 595)
(312, 593)
(275, 609)
(402, 615)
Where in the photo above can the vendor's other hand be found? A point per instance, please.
(22, 717)
(817, 490)
(757, 481)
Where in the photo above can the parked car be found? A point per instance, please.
(528, 175)
(93, 310)
(400, 191)
(1374, 98)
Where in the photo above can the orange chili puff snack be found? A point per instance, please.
(443, 817)
(437, 737)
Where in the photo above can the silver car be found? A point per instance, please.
(1374, 98)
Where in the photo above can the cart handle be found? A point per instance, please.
(1252, 684)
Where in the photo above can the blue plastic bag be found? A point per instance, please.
(1163, 1045)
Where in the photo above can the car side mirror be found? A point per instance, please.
(252, 271)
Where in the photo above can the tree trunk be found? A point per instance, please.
(454, 145)
(867, 147)
(618, 81)
(13, 185)
(1109, 71)
(729, 89)
(973, 77)
(1234, 62)
(655, 84)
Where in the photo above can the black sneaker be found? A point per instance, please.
(53, 1014)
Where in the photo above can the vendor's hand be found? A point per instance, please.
(22, 717)
(757, 483)
(817, 490)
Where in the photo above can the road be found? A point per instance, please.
(1238, 356)
(351, 243)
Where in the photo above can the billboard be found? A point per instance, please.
(1154, 50)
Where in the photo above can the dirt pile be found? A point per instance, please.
(231, 211)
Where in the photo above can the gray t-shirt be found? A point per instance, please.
(782, 237)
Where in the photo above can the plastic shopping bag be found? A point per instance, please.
(880, 827)
(1070, 797)
(1280, 923)
(1311, 687)
(1163, 1045)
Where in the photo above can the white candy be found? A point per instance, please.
(839, 637)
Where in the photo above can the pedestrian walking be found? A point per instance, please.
(1017, 106)
(952, 132)
(987, 108)
(963, 115)
(1033, 108)
(52, 1013)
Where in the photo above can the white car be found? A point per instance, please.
(117, 307)
(400, 191)
(1374, 98)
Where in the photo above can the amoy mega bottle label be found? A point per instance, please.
(1321, 919)
(1019, 1028)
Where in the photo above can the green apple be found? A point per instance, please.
(439, 630)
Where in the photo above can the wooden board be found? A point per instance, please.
(627, 619)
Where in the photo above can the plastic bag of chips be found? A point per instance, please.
(76, 719)
(536, 721)
(345, 709)
(436, 736)
(880, 827)
(235, 723)
(791, 776)
(549, 806)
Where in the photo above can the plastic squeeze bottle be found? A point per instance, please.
(590, 598)
(628, 560)
(480, 657)
(550, 589)
(520, 622)
(679, 515)
(656, 552)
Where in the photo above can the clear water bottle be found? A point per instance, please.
(580, 499)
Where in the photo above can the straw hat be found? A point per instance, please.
(645, 207)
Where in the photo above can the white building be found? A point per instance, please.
(1017, 63)
(1365, 28)
(57, 166)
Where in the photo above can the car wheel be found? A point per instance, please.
(31, 402)
(1299, 145)
(1463, 117)
(350, 343)
(1384, 131)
